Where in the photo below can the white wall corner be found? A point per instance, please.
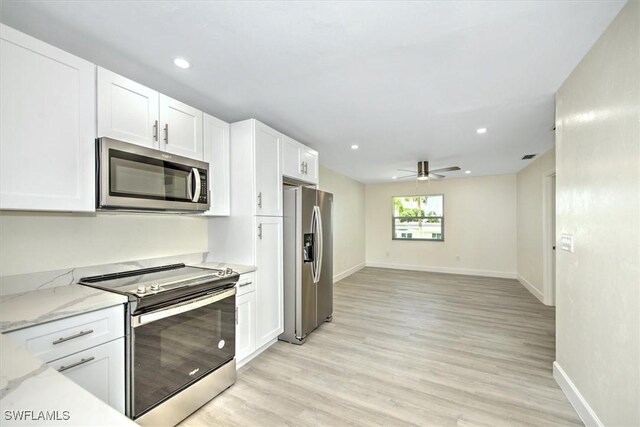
(537, 293)
(348, 272)
(586, 414)
(449, 270)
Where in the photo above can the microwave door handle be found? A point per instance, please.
(190, 185)
(196, 175)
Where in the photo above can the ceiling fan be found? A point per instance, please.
(423, 173)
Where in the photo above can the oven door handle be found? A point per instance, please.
(183, 307)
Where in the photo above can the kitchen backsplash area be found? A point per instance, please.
(35, 242)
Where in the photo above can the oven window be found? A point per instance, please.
(173, 352)
(137, 176)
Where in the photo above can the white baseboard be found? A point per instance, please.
(249, 358)
(463, 271)
(589, 418)
(348, 272)
(536, 293)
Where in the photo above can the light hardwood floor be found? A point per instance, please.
(408, 348)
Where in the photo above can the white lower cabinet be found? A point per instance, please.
(87, 348)
(245, 325)
(99, 370)
(269, 280)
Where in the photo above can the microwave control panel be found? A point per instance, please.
(203, 185)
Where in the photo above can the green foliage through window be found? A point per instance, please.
(418, 217)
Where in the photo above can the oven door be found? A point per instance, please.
(133, 177)
(177, 345)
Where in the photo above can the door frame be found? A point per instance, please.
(548, 254)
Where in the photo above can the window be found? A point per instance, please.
(418, 217)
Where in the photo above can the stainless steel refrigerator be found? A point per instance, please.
(308, 261)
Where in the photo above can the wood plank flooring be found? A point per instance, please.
(408, 348)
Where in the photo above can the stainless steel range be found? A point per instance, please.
(180, 338)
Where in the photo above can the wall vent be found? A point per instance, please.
(528, 156)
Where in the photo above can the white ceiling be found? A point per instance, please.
(406, 81)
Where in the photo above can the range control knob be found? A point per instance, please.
(155, 287)
(228, 271)
(141, 289)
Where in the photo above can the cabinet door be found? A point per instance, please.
(181, 128)
(245, 325)
(310, 161)
(99, 370)
(291, 163)
(268, 171)
(269, 283)
(127, 111)
(47, 137)
(216, 153)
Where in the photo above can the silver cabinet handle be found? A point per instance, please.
(242, 285)
(260, 200)
(78, 335)
(155, 131)
(260, 231)
(166, 133)
(301, 167)
(306, 170)
(73, 365)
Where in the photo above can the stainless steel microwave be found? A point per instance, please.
(131, 177)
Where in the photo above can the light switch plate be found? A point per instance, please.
(566, 242)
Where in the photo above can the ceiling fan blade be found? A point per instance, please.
(406, 176)
(449, 169)
(407, 170)
(435, 175)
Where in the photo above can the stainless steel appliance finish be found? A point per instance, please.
(180, 338)
(308, 261)
(130, 177)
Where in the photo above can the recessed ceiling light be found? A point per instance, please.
(182, 63)
(354, 147)
(481, 130)
(467, 171)
(394, 177)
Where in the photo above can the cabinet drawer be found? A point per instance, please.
(246, 283)
(53, 340)
(99, 370)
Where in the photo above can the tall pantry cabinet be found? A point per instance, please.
(253, 233)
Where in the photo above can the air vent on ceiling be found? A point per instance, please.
(528, 156)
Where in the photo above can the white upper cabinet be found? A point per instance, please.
(299, 161)
(127, 111)
(131, 112)
(47, 137)
(216, 153)
(181, 128)
(268, 171)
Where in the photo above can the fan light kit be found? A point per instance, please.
(424, 174)
(181, 63)
(482, 130)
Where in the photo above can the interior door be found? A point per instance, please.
(325, 285)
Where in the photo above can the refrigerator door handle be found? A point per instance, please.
(314, 259)
(320, 242)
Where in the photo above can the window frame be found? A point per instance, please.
(406, 239)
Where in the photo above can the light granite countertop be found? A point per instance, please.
(31, 390)
(31, 308)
